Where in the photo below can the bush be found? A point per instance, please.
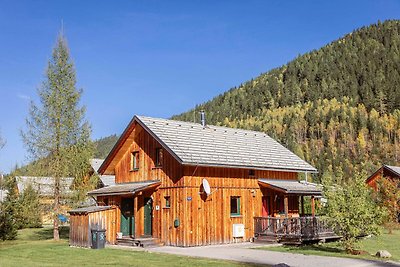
(352, 211)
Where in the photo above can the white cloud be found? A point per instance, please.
(23, 97)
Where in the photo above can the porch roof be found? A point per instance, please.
(292, 187)
(87, 210)
(124, 188)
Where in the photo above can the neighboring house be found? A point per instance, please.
(105, 180)
(385, 171)
(188, 184)
(44, 186)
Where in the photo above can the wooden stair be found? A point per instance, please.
(139, 242)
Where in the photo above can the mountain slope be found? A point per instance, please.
(363, 65)
(337, 107)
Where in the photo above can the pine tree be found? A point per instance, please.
(56, 130)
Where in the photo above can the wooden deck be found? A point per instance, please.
(293, 230)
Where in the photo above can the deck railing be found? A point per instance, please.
(305, 228)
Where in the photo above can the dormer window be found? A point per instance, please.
(159, 157)
(135, 161)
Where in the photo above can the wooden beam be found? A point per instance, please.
(312, 206)
(286, 205)
(302, 206)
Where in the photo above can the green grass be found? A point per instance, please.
(385, 241)
(34, 247)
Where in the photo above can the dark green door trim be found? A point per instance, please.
(127, 217)
(148, 216)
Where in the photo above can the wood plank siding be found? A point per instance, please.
(203, 220)
(81, 225)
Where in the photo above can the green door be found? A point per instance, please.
(127, 217)
(148, 214)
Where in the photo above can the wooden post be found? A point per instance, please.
(302, 206)
(313, 206)
(286, 206)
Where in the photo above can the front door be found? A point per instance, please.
(266, 211)
(127, 217)
(148, 214)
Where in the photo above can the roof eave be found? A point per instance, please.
(116, 147)
(389, 168)
(291, 192)
(151, 184)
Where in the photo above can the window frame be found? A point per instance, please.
(235, 214)
(167, 202)
(135, 156)
(158, 163)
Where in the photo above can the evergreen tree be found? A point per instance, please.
(30, 208)
(7, 228)
(56, 130)
(9, 210)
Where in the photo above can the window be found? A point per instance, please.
(252, 173)
(135, 161)
(235, 206)
(159, 157)
(167, 201)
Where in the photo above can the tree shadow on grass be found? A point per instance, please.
(47, 233)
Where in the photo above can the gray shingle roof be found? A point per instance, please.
(106, 180)
(292, 186)
(44, 185)
(125, 188)
(96, 163)
(192, 144)
(394, 169)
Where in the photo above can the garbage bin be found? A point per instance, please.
(98, 238)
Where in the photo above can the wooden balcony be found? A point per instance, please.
(293, 230)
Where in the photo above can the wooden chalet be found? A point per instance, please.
(385, 171)
(191, 184)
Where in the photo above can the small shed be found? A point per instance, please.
(83, 220)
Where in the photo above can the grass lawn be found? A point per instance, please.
(34, 247)
(389, 242)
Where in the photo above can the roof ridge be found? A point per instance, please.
(172, 141)
(207, 125)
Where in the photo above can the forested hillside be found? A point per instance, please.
(104, 145)
(337, 107)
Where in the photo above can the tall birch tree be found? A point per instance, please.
(56, 131)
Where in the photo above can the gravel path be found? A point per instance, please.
(244, 253)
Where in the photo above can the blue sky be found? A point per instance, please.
(158, 58)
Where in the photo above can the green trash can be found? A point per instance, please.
(98, 238)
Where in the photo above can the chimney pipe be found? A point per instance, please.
(203, 118)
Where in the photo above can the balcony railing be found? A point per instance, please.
(293, 228)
